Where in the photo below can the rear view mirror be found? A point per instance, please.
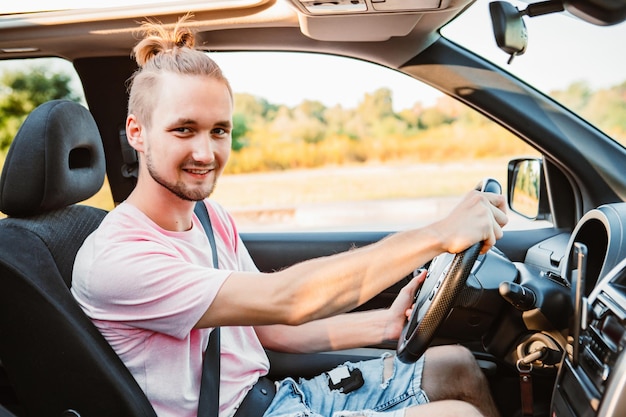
(526, 188)
(508, 28)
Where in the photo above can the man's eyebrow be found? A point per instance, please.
(187, 121)
(224, 123)
(182, 121)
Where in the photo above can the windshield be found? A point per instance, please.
(578, 64)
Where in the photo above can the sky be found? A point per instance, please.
(560, 51)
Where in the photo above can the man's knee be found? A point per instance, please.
(453, 358)
(451, 372)
(466, 360)
(459, 353)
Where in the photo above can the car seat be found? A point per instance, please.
(56, 360)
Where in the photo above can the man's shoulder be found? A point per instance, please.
(125, 222)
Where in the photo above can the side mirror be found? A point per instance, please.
(526, 188)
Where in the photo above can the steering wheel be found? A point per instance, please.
(434, 300)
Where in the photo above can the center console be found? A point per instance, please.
(592, 380)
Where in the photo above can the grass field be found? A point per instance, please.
(360, 182)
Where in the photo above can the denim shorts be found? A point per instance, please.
(314, 397)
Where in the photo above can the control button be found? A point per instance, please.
(605, 372)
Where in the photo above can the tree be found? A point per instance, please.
(254, 108)
(433, 117)
(24, 90)
(607, 108)
(311, 109)
(576, 96)
(377, 105)
(240, 129)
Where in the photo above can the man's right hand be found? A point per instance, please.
(479, 217)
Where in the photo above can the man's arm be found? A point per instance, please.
(324, 287)
(344, 331)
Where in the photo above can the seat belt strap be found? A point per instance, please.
(208, 403)
(203, 215)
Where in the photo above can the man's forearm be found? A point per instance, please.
(345, 331)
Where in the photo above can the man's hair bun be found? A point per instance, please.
(158, 39)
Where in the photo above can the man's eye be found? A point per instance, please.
(220, 131)
(183, 132)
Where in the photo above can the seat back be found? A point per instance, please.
(56, 360)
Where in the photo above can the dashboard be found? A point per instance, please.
(569, 316)
(591, 380)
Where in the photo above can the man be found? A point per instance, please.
(146, 279)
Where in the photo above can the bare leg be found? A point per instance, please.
(451, 373)
(445, 408)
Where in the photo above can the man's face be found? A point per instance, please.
(189, 140)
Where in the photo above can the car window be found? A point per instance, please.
(330, 143)
(24, 84)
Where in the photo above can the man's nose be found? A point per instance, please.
(204, 149)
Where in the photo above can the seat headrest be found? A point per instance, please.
(55, 160)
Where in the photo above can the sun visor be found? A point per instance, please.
(364, 20)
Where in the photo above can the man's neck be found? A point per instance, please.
(169, 212)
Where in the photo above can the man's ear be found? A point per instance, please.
(134, 133)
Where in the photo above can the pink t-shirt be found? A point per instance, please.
(145, 288)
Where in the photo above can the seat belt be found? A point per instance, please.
(208, 403)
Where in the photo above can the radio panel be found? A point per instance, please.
(601, 344)
(592, 382)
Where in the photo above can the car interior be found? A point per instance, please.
(545, 302)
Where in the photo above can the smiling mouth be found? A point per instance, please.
(198, 171)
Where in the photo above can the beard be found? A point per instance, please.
(179, 188)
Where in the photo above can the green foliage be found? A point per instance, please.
(575, 97)
(22, 91)
(605, 108)
(377, 105)
(255, 108)
(434, 117)
(608, 108)
(311, 110)
(311, 135)
(269, 136)
(240, 129)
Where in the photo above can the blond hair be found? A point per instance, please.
(164, 49)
